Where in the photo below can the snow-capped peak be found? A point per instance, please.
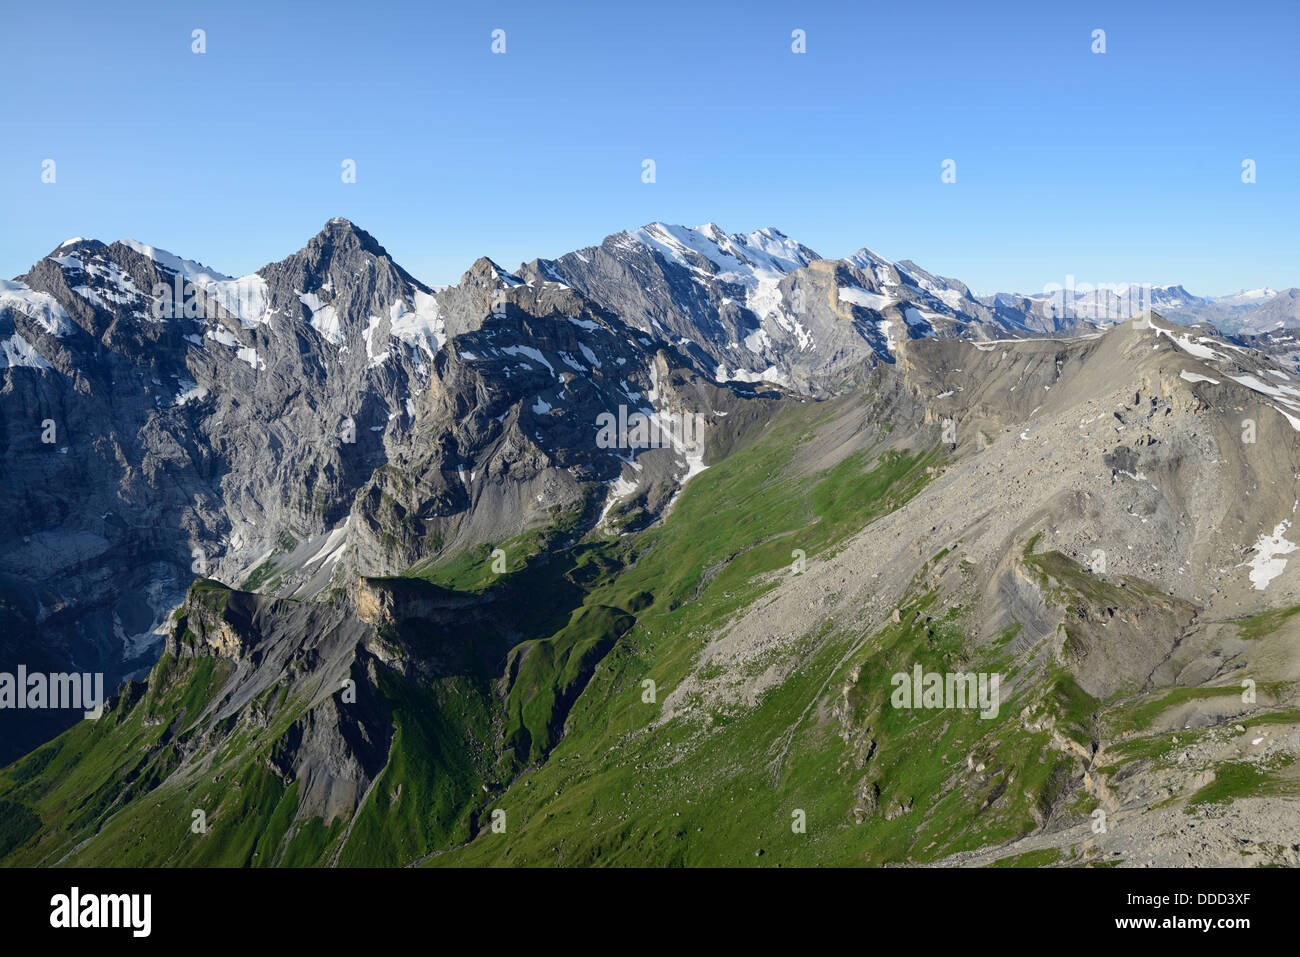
(866, 258)
(886, 272)
(1249, 295)
(196, 272)
(766, 249)
(755, 261)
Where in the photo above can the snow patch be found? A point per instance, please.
(1266, 566)
(190, 391)
(335, 542)
(375, 358)
(40, 306)
(530, 353)
(324, 318)
(868, 300)
(17, 353)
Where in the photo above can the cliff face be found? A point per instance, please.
(326, 418)
(297, 678)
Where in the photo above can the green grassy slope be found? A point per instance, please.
(562, 732)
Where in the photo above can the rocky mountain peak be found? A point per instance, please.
(345, 234)
(74, 246)
(485, 272)
(344, 246)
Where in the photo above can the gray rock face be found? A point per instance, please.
(326, 417)
(106, 474)
(335, 748)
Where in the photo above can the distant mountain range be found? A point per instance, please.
(1250, 312)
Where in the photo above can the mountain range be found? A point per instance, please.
(375, 587)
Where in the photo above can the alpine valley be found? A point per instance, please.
(369, 584)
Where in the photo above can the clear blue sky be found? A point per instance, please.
(1118, 167)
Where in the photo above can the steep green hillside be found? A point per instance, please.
(620, 699)
(608, 611)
